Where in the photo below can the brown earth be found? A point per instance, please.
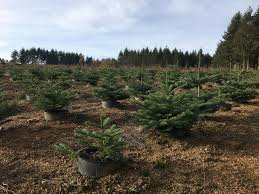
(220, 156)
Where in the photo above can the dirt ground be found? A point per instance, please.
(220, 156)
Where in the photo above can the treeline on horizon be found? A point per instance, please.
(164, 57)
(239, 47)
(43, 56)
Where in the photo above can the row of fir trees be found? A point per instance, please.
(239, 47)
(164, 57)
(43, 56)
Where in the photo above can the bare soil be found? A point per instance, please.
(220, 156)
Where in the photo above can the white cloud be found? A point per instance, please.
(101, 16)
(79, 15)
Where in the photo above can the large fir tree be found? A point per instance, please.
(239, 45)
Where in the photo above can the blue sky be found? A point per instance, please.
(101, 28)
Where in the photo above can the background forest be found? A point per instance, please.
(238, 49)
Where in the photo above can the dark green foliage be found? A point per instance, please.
(237, 91)
(66, 150)
(167, 113)
(107, 142)
(240, 45)
(77, 75)
(37, 73)
(139, 89)
(16, 73)
(171, 77)
(3, 61)
(14, 57)
(128, 75)
(53, 73)
(89, 77)
(192, 80)
(163, 57)
(108, 89)
(7, 107)
(42, 56)
(33, 78)
(175, 114)
(27, 82)
(52, 95)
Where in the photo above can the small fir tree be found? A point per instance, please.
(237, 91)
(52, 96)
(174, 113)
(105, 144)
(109, 89)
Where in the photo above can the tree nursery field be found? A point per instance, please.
(128, 130)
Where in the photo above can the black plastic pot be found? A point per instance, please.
(94, 168)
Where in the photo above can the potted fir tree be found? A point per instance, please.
(109, 92)
(52, 97)
(138, 90)
(100, 151)
(173, 113)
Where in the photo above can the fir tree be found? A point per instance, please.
(225, 54)
(15, 57)
(174, 114)
(105, 144)
(52, 96)
(108, 88)
(244, 38)
(239, 47)
(237, 91)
